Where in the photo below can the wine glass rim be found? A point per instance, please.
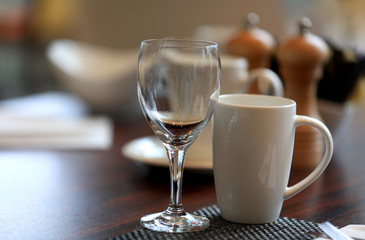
(180, 43)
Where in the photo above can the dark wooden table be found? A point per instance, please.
(59, 194)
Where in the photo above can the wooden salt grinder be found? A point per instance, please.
(301, 59)
(254, 44)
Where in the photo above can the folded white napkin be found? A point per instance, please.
(353, 230)
(83, 133)
(52, 120)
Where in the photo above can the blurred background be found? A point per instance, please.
(113, 30)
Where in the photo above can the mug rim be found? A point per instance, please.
(232, 61)
(251, 101)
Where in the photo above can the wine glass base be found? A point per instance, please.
(174, 223)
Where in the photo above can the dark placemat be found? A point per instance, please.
(283, 228)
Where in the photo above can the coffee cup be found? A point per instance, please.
(253, 140)
(235, 79)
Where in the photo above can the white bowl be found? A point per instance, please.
(104, 77)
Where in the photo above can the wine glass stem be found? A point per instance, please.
(176, 161)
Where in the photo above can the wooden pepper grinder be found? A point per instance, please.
(301, 60)
(254, 44)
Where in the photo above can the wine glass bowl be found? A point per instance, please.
(178, 86)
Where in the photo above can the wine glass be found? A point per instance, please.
(178, 87)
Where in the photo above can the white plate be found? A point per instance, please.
(149, 150)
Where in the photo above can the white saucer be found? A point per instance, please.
(149, 150)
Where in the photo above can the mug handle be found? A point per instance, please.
(305, 120)
(265, 78)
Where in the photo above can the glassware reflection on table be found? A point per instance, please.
(178, 87)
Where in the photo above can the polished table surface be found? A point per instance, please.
(94, 194)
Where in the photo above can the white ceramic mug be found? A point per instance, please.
(235, 79)
(253, 138)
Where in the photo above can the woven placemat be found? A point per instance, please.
(283, 228)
